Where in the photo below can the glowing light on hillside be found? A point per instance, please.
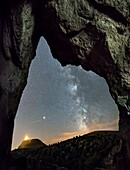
(26, 138)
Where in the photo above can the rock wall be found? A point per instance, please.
(16, 52)
(95, 35)
(90, 33)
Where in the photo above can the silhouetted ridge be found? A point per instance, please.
(95, 150)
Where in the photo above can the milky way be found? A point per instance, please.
(60, 102)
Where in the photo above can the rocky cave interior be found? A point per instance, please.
(95, 35)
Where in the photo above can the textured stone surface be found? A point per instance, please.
(91, 33)
(16, 31)
(96, 34)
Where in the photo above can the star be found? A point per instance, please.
(44, 117)
(84, 117)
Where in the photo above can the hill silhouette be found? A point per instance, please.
(101, 150)
(31, 143)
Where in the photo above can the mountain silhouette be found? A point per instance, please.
(101, 150)
(31, 143)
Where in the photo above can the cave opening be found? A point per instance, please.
(62, 102)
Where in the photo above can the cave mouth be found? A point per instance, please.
(62, 102)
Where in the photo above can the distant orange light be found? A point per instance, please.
(26, 138)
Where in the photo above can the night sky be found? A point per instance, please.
(62, 102)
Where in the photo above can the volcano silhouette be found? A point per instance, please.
(31, 143)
